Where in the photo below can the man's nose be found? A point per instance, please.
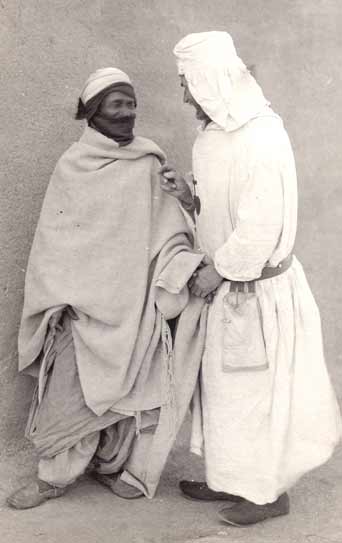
(127, 111)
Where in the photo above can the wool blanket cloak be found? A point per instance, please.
(106, 236)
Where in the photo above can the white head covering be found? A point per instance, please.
(218, 79)
(101, 79)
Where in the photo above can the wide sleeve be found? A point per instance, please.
(258, 225)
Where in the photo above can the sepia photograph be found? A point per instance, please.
(170, 305)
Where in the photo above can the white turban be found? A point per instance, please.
(218, 79)
(101, 79)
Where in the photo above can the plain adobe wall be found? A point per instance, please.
(48, 48)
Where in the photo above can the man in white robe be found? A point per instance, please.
(266, 413)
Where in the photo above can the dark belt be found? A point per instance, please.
(282, 267)
(267, 273)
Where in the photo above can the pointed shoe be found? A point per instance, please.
(33, 495)
(197, 490)
(246, 513)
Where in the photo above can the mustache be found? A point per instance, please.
(117, 118)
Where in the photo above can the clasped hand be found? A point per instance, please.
(205, 281)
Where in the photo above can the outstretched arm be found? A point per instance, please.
(174, 184)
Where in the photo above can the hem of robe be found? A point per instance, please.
(240, 486)
(128, 478)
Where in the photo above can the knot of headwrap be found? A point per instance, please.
(218, 79)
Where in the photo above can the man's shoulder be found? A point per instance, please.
(144, 142)
(266, 130)
(147, 147)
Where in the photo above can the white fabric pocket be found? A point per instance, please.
(243, 338)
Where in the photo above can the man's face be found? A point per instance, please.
(117, 105)
(115, 116)
(189, 99)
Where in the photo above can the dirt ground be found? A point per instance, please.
(90, 513)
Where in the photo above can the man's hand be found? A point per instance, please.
(205, 281)
(174, 184)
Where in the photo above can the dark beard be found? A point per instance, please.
(119, 129)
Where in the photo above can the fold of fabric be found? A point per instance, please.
(105, 234)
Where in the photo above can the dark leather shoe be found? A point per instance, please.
(33, 495)
(200, 491)
(246, 513)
